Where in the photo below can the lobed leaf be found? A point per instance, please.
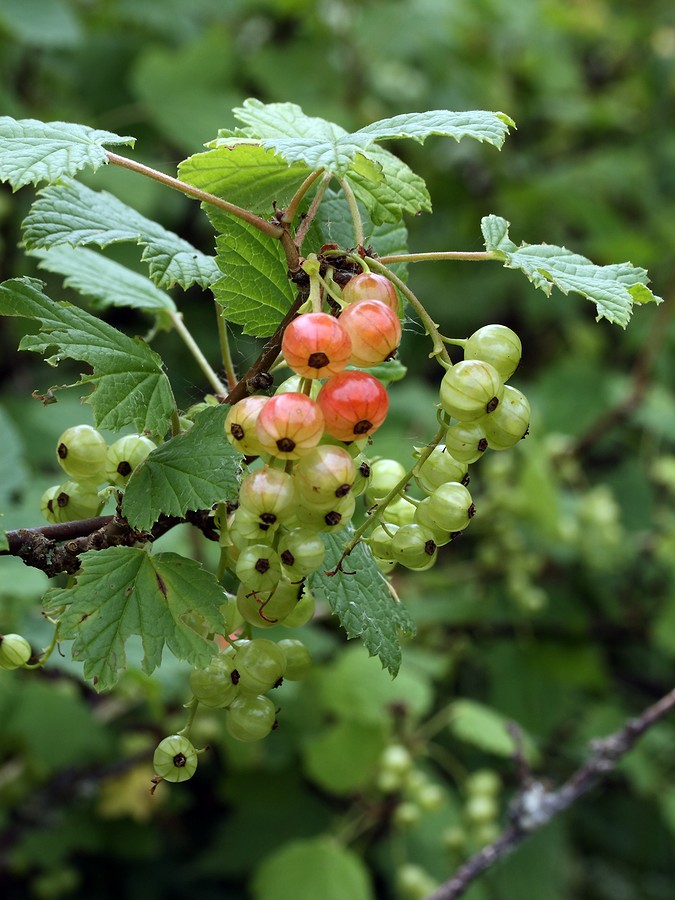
(400, 190)
(70, 213)
(484, 727)
(613, 288)
(130, 386)
(363, 601)
(32, 151)
(191, 471)
(104, 281)
(253, 289)
(123, 591)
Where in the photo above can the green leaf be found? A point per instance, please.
(33, 151)
(70, 213)
(284, 128)
(191, 471)
(245, 174)
(399, 191)
(344, 757)
(254, 290)
(484, 727)
(612, 288)
(316, 867)
(123, 591)
(363, 601)
(12, 462)
(130, 387)
(102, 280)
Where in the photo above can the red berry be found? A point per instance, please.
(290, 425)
(315, 345)
(371, 286)
(354, 405)
(374, 329)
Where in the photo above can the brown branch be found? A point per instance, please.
(535, 805)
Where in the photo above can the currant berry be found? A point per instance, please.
(290, 425)
(298, 659)
(258, 567)
(497, 345)
(424, 516)
(374, 329)
(246, 528)
(48, 506)
(175, 758)
(269, 495)
(301, 552)
(509, 422)
(371, 286)
(250, 718)
(324, 475)
(438, 468)
(76, 500)
(321, 518)
(269, 608)
(261, 665)
(215, 686)
(124, 455)
(294, 384)
(470, 389)
(354, 405)
(400, 512)
(385, 474)
(15, 651)
(315, 345)
(81, 452)
(240, 427)
(380, 541)
(451, 507)
(363, 475)
(414, 547)
(466, 441)
(304, 609)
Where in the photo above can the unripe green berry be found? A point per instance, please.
(440, 467)
(250, 718)
(261, 665)
(15, 651)
(400, 512)
(481, 808)
(483, 781)
(414, 547)
(175, 758)
(216, 686)
(509, 422)
(268, 608)
(76, 500)
(381, 540)
(497, 345)
(450, 506)
(298, 659)
(471, 389)
(385, 474)
(48, 506)
(258, 567)
(268, 494)
(81, 452)
(301, 552)
(466, 441)
(124, 455)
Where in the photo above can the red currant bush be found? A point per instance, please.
(374, 329)
(354, 405)
(81, 452)
(371, 286)
(470, 389)
(175, 759)
(315, 345)
(290, 425)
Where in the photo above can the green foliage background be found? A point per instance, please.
(558, 607)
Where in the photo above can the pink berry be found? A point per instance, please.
(374, 329)
(290, 425)
(371, 286)
(315, 345)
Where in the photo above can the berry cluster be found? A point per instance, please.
(89, 462)
(478, 411)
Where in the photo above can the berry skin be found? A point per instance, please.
(258, 567)
(450, 507)
(315, 345)
(81, 452)
(15, 651)
(269, 495)
(268, 608)
(290, 425)
(374, 329)
(371, 286)
(354, 405)
(175, 758)
(48, 506)
(298, 659)
(414, 547)
(332, 518)
(301, 552)
(466, 441)
(250, 718)
(509, 422)
(215, 686)
(124, 455)
(75, 500)
(439, 467)
(261, 665)
(385, 474)
(240, 427)
(470, 389)
(497, 345)
(324, 475)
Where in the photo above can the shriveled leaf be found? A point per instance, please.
(253, 290)
(486, 728)
(104, 281)
(613, 288)
(284, 128)
(130, 386)
(245, 174)
(70, 213)
(191, 471)
(123, 591)
(363, 601)
(32, 151)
